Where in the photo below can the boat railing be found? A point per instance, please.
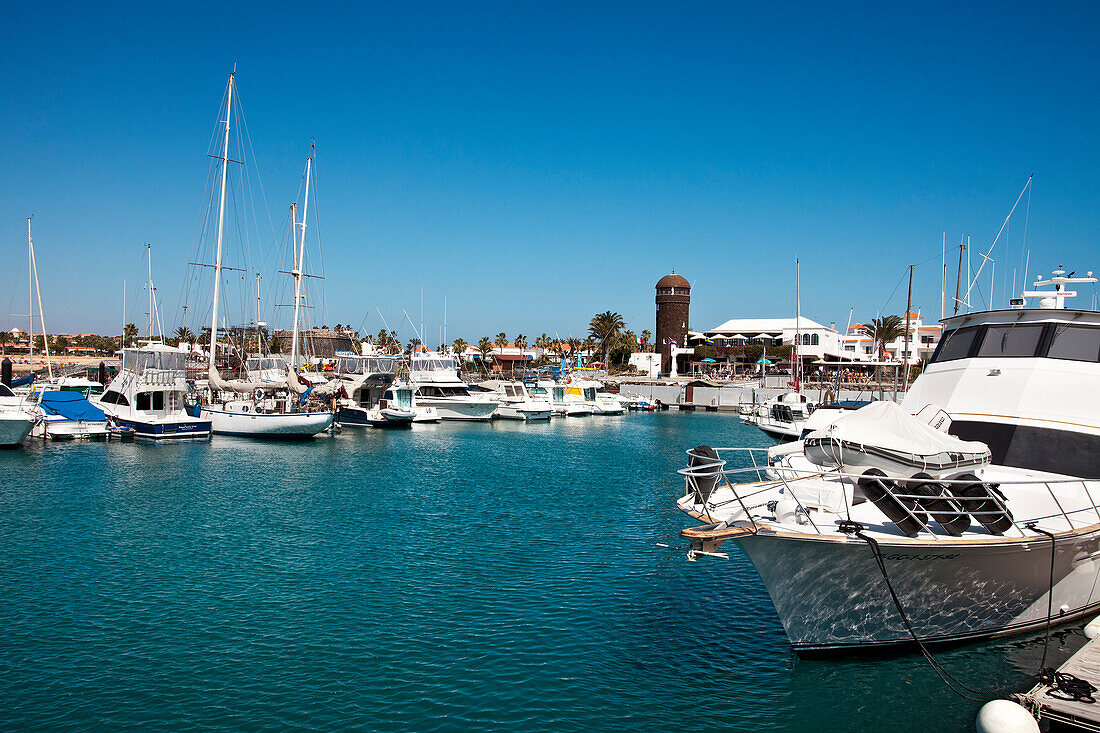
(709, 474)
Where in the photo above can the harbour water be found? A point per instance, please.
(452, 576)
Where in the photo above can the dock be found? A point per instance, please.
(1050, 704)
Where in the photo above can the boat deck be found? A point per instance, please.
(1053, 706)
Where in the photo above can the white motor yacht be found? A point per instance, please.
(149, 395)
(435, 383)
(16, 418)
(939, 520)
(515, 402)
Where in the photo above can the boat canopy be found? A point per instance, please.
(367, 365)
(71, 405)
(138, 360)
(883, 431)
(432, 364)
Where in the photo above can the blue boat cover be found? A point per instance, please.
(72, 405)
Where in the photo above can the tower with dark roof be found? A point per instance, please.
(673, 299)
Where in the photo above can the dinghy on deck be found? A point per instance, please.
(885, 437)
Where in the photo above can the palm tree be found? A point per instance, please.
(183, 333)
(129, 333)
(603, 328)
(5, 337)
(413, 343)
(646, 336)
(885, 330)
(485, 346)
(459, 347)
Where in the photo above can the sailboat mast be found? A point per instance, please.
(30, 299)
(908, 309)
(149, 287)
(797, 327)
(299, 264)
(41, 316)
(221, 228)
(297, 285)
(259, 345)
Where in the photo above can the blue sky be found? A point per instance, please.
(537, 163)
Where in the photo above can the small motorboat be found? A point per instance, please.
(69, 416)
(390, 417)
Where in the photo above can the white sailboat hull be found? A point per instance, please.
(62, 428)
(292, 425)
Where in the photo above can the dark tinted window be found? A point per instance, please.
(1011, 340)
(143, 400)
(1080, 343)
(955, 344)
(158, 400)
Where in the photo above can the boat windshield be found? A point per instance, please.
(140, 360)
(255, 364)
(366, 365)
(432, 364)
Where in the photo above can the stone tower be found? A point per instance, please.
(673, 299)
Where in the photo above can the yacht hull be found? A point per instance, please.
(13, 428)
(472, 411)
(831, 596)
(274, 426)
(168, 429)
(521, 413)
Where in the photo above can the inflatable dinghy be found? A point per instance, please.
(884, 436)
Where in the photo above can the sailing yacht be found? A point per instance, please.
(256, 409)
(966, 512)
(435, 383)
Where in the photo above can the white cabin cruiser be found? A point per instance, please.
(435, 383)
(573, 406)
(515, 402)
(148, 395)
(16, 418)
(938, 520)
(784, 417)
(400, 397)
(68, 416)
(363, 381)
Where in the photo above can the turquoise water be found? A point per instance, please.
(452, 576)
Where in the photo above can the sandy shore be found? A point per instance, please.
(21, 365)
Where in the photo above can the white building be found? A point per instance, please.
(858, 346)
(817, 341)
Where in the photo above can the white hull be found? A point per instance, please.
(519, 412)
(610, 408)
(54, 428)
(459, 409)
(831, 594)
(14, 426)
(267, 425)
(566, 409)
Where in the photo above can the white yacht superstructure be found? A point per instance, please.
(940, 519)
(515, 402)
(363, 382)
(435, 383)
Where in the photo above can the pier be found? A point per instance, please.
(1050, 703)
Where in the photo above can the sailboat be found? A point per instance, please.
(254, 409)
(60, 415)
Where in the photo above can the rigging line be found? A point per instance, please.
(1023, 245)
(887, 303)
